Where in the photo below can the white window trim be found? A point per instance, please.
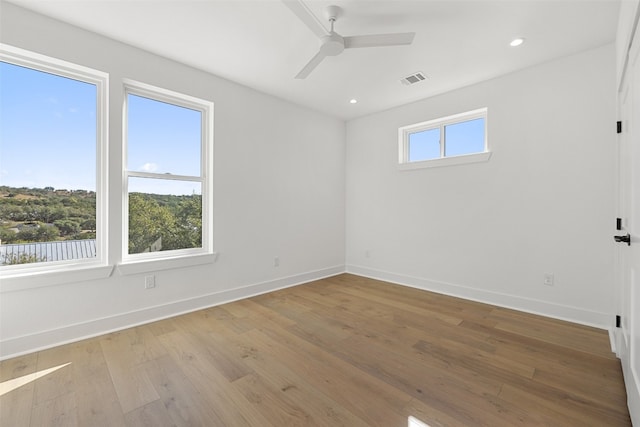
(446, 161)
(441, 123)
(25, 276)
(166, 263)
(152, 261)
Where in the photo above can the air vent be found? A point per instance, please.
(413, 78)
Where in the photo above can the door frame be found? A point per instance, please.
(627, 285)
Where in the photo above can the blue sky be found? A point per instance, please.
(163, 138)
(461, 138)
(47, 130)
(48, 135)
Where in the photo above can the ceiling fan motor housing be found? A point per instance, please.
(332, 44)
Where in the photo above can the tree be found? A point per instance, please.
(189, 222)
(11, 212)
(148, 222)
(47, 206)
(13, 259)
(89, 224)
(47, 233)
(7, 236)
(176, 220)
(67, 227)
(85, 235)
(27, 234)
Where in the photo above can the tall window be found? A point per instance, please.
(458, 135)
(168, 139)
(52, 158)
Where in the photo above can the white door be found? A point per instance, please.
(628, 256)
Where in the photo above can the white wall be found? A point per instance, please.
(543, 203)
(625, 30)
(489, 231)
(279, 191)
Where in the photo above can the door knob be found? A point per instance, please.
(626, 239)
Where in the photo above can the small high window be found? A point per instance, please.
(462, 137)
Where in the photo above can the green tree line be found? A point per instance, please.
(174, 221)
(156, 222)
(44, 214)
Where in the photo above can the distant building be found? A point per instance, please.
(49, 251)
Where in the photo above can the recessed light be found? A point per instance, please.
(516, 42)
(353, 101)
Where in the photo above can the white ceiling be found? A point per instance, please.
(263, 45)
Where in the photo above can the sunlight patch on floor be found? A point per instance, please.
(414, 422)
(10, 385)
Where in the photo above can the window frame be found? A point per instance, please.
(88, 268)
(141, 262)
(404, 133)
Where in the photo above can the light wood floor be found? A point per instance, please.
(344, 351)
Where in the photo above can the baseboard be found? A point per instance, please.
(17, 346)
(542, 308)
(613, 340)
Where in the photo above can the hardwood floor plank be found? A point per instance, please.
(97, 403)
(293, 389)
(588, 388)
(250, 309)
(446, 391)
(133, 387)
(345, 350)
(585, 340)
(407, 305)
(267, 400)
(162, 326)
(552, 357)
(429, 415)
(335, 378)
(552, 413)
(212, 344)
(183, 403)
(60, 411)
(226, 405)
(16, 406)
(16, 403)
(153, 414)
(18, 367)
(59, 382)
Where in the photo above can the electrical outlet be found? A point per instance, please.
(149, 282)
(276, 261)
(548, 279)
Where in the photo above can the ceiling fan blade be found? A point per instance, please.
(375, 40)
(311, 65)
(307, 17)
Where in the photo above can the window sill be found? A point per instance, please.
(446, 161)
(13, 281)
(157, 264)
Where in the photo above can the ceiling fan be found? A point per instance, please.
(332, 43)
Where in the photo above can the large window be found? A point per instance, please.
(53, 158)
(168, 144)
(461, 138)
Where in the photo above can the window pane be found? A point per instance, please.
(164, 215)
(424, 145)
(48, 139)
(162, 137)
(464, 138)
